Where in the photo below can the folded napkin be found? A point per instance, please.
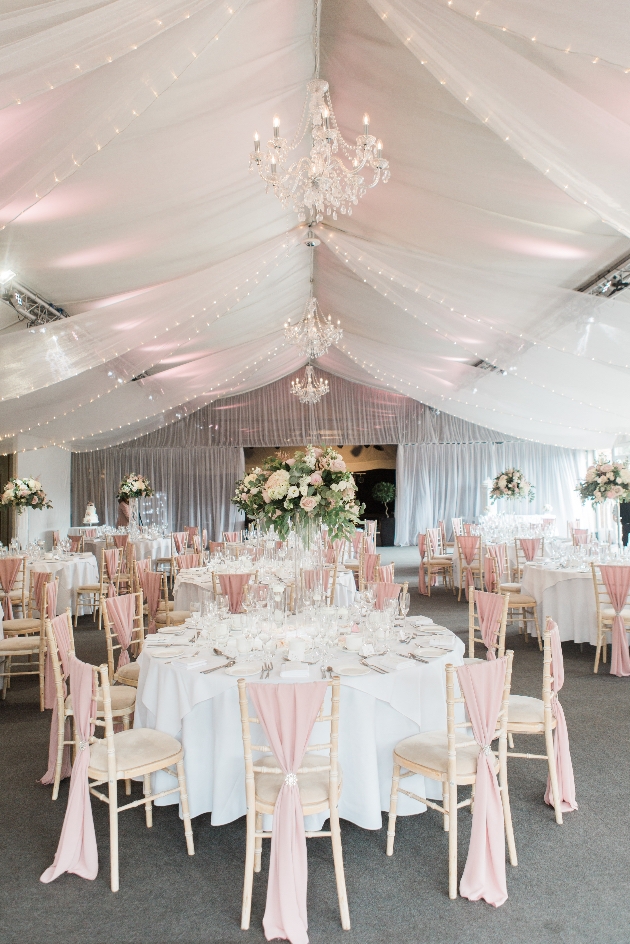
(442, 642)
(191, 662)
(294, 670)
(419, 620)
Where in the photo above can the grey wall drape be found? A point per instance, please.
(440, 481)
(198, 482)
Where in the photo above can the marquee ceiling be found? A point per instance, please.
(125, 198)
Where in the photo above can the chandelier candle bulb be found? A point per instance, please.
(379, 148)
(366, 125)
(276, 127)
(256, 141)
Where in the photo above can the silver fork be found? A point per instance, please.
(269, 668)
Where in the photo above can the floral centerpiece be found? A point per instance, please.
(605, 480)
(511, 484)
(134, 486)
(25, 493)
(312, 485)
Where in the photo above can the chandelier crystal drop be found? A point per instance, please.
(310, 389)
(313, 334)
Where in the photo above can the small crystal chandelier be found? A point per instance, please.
(322, 182)
(310, 389)
(313, 334)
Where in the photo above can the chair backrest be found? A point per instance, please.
(496, 567)
(581, 536)
(179, 543)
(385, 573)
(187, 562)
(442, 533)
(55, 646)
(114, 555)
(111, 637)
(476, 564)
(602, 596)
(232, 537)
(76, 543)
(216, 547)
(494, 635)
(38, 595)
(457, 525)
(329, 749)
(56, 538)
(521, 558)
(369, 526)
(433, 546)
(547, 686)
(452, 726)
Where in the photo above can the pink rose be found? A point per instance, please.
(316, 479)
(308, 503)
(338, 465)
(318, 452)
(34, 502)
(265, 495)
(290, 462)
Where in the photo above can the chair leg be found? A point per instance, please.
(42, 670)
(125, 724)
(452, 841)
(183, 796)
(339, 873)
(258, 847)
(597, 650)
(61, 732)
(538, 636)
(510, 740)
(553, 776)
(248, 881)
(393, 805)
(148, 806)
(113, 835)
(472, 799)
(507, 813)
(446, 805)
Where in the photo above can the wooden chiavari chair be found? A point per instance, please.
(448, 548)
(319, 782)
(166, 616)
(123, 699)
(475, 635)
(23, 640)
(521, 559)
(475, 567)
(125, 755)
(77, 543)
(16, 593)
(436, 565)
(527, 715)
(605, 616)
(442, 756)
(113, 643)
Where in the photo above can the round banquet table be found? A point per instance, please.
(80, 570)
(145, 547)
(376, 711)
(191, 584)
(567, 596)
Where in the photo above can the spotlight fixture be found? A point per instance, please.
(26, 303)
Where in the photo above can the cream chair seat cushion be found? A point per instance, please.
(607, 612)
(89, 588)
(176, 617)
(521, 599)
(18, 644)
(128, 674)
(523, 709)
(430, 750)
(145, 608)
(139, 747)
(15, 626)
(122, 697)
(313, 787)
(510, 587)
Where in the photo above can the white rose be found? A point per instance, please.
(293, 491)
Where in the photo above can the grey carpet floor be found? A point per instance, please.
(570, 886)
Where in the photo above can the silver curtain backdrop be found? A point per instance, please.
(442, 460)
(198, 483)
(440, 481)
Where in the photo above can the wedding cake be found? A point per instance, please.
(90, 514)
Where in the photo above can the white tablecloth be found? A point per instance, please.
(158, 547)
(568, 596)
(80, 570)
(190, 585)
(377, 711)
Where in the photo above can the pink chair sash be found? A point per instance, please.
(386, 591)
(330, 555)
(151, 583)
(121, 611)
(120, 540)
(233, 537)
(580, 536)
(287, 714)
(232, 585)
(143, 564)
(77, 852)
(89, 533)
(496, 553)
(484, 874)
(75, 541)
(489, 610)
(216, 547)
(530, 547)
(369, 567)
(422, 577)
(357, 537)
(561, 752)
(179, 540)
(617, 581)
(191, 530)
(111, 565)
(62, 636)
(468, 544)
(467, 528)
(370, 545)
(311, 577)
(188, 561)
(49, 681)
(9, 568)
(386, 573)
(40, 579)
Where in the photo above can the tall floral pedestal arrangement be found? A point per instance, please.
(607, 482)
(130, 490)
(511, 484)
(24, 495)
(300, 495)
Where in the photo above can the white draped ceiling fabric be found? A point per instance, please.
(125, 198)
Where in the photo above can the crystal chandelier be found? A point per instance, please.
(313, 334)
(322, 182)
(310, 389)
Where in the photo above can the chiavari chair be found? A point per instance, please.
(605, 616)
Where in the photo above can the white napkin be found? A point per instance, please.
(294, 670)
(442, 642)
(389, 661)
(191, 662)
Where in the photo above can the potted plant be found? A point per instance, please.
(385, 493)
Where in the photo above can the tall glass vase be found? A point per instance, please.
(307, 551)
(23, 524)
(134, 518)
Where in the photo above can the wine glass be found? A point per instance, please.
(403, 604)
